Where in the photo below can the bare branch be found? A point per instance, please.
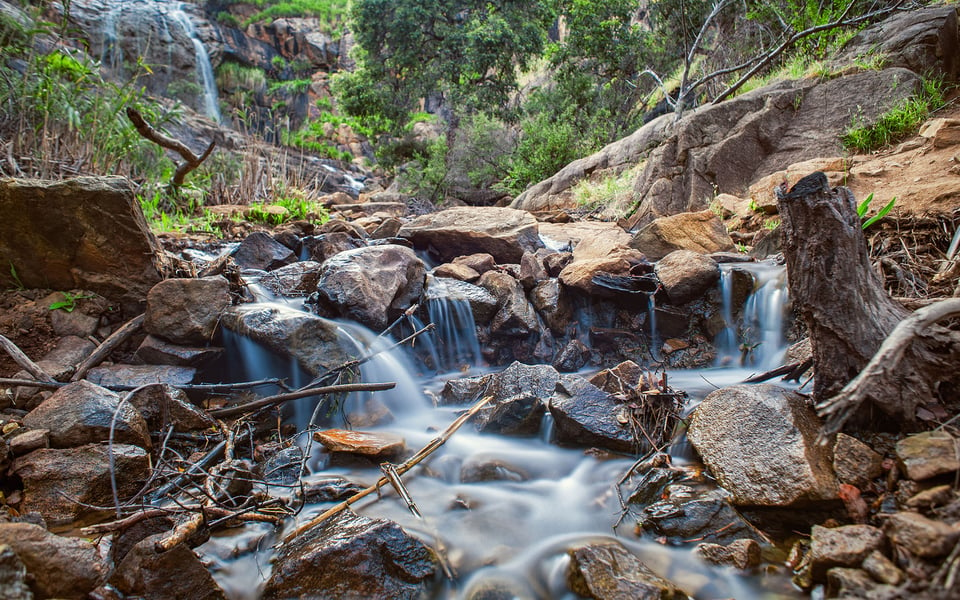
(24, 361)
(103, 350)
(191, 160)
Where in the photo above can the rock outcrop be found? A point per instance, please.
(504, 233)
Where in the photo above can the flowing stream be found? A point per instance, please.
(536, 500)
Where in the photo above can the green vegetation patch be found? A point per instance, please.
(898, 122)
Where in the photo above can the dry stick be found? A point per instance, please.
(24, 361)
(191, 160)
(402, 468)
(45, 385)
(883, 365)
(232, 411)
(103, 350)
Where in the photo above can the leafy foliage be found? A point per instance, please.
(864, 206)
(901, 120)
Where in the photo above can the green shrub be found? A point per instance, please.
(898, 122)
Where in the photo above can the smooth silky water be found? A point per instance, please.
(546, 500)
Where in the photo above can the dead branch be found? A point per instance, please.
(191, 160)
(103, 350)
(232, 411)
(44, 385)
(24, 361)
(876, 382)
(411, 462)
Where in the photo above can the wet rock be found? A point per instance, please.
(89, 222)
(743, 554)
(556, 262)
(672, 345)
(351, 556)
(483, 304)
(186, 311)
(82, 412)
(921, 536)
(520, 414)
(515, 316)
(374, 445)
(371, 285)
(572, 357)
(552, 303)
(164, 405)
(760, 442)
(137, 375)
(686, 275)
(481, 262)
(157, 351)
(532, 270)
(456, 271)
(463, 390)
(882, 568)
(608, 571)
(60, 567)
(845, 546)
(171, 575)
(293, 280)
(854, 462)
(482, 468)
(622, 380)
(585, 415)
(517, 379)
(319, 248)
(928, 454)
(55, 480)
(333, 489)
(504, 233)
(844, 582)
(497, 587)
(702, 232)
(260, 251)
(687, 515)
(13, 576)
(313, 341)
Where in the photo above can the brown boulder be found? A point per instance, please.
(186, 311)
(504, 233)
(72, 234)
(686, 275)
(171, 575)
(61, 567)
(701, 232)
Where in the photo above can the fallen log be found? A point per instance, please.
(103, 350)
(190, 160)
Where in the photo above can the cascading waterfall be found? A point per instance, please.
(211, 101)
(759, 340)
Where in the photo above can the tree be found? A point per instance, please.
(467, 50)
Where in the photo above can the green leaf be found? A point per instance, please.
(67, 305)
(883, 212)
(864, 206)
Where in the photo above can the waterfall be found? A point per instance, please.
(453, 345)
(758, 340)
(211, 100)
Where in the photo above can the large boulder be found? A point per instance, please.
(260, 251)
(85, 233)
(82, 413)
(686, 275)
(62, 484)
(504, 233)
(186, 311)
(760, 442)
(372, 285)
(702, 232)
(608, 571)
(59, 566)
(515, 316)
(585, 415)
(171, 575)
(351, 556)
(610, 254)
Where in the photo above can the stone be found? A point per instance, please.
(532, 270)
(157, 351)
(87, 223)
(60, 567)
(163, 405)
(137, 375)
(684, 514)
(760, 442)
(572, 357)
(701, 232)
(928, 454)
(743, 554)
(56, 480)
(371, 285)
(836, 168)
(504, 233)
(921, 536)
(186, 311)
(319, 248)
(171, 575)
(388, 228)
(375, 445)
(941, 131)
(621, 380)
(845, 546)
(882, 568)
(351, 556)
(515, 316)
(672, 345)
(608, 571)
(595, 255)
(552, 303)
(519, 414)
(313, 341)
(480, 468)
(76, 322)
(854, 462)
(260, 251)
(480, 262)
(458, 271)
(13, 576)
(61, 362)
(293, 280)
(483, 304)
(686, 275)
(28, 440)
(940, 495)
(585, 415)
(844, 582)
(82, 412)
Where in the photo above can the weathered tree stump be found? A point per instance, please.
(849, 315)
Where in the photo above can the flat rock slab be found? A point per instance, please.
(365, 443)
(929, 454)
(85, 233)
(504, 233)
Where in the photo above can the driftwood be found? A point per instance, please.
(24, 361)
(103, 350)
(849, 315)
(400, 469)
(190, 160)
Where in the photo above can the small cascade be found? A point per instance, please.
(211, 101)
(652, 316)
(453, 344)
(111, 56)
(757, 340)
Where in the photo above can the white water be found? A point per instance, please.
(205, 78)
(758, 339)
